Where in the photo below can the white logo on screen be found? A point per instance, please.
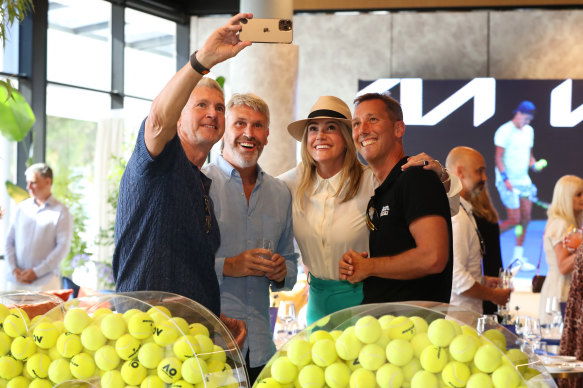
(482, 91)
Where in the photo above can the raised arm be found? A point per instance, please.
(165, 111)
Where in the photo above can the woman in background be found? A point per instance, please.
(330, 190)
(487, 221)
(565, 212)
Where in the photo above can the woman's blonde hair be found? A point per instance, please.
(482, 206)
(562, 204)
(351, 172)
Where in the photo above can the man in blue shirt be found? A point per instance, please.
(250, 205)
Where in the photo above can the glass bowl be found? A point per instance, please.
(367, 345)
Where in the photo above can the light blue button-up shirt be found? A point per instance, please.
(268, 216)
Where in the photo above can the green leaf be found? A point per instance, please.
(17, 193)
(221, 81)
(16, 117)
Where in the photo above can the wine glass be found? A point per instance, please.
(286, 313)
(532, 332)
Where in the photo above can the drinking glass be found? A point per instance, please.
(573, 239)
(532, 332)
(265, 244)
(504, 281)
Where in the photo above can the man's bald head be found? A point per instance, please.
(469, 165)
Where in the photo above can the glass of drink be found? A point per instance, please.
(267, 245)
(573, 239)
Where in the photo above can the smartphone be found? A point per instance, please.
(266, 30)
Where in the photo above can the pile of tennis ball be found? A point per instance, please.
(137, 348)
(392, 352)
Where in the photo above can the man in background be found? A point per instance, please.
(514, 157)
(469, 287)
(408, 216)
(40, 236)
(251, 205)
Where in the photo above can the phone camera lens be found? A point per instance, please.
(285, 25)
(243, 21)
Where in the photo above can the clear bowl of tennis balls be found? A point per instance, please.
(392, 345)
(141, 339)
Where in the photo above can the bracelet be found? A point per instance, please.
(442, 169)
(447, 180)
(504, 176)
(197, 66)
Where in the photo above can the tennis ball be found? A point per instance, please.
(193, 370)
(76, 320)
(99, 314)
(160, 309)
(463, 347)
(516, 357)
(424, 379)
(433, 358)
(152, 381)
(185, 347)
(268, 382)
(299, 352)
(353, 364)
(45, 335)
(141, 325)
(487, 358)
(185, 384)
(10, 367)
(112, 379)
(410, 369)
(127, 346)
(390, 376)
(324, 352)
(420, 324)
(496, 337)
(367, 329)
(129, 313)
(372, 356)
(82, 366)
(5, 342)
(92, 338)
(347, 345)
(283, 370)
(38, 365)
(385, 320)
(384, 339)
(22, 348)
(206, 346)
(106, 358)
(335, 334)
(337, 375)
(479, 380)
(170, 370)
(420, 342)
(18, 382)
(219, 370)
(441, 332)
(455, 374)
(218, 354)
(150, 355)
(165, 333)
(18, 312)
(198, 328)
(320, 334)
(69, 344)
(60, 371)
(181, 324)
(4, 311)
(113, 326)
(399, 352)
(132, 372)
(362, 378)
(506, 377)
(401, 327)
(40, 383)
(469, 331)
(14, 326)
(312, 376)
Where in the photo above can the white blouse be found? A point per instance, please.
(327, 228)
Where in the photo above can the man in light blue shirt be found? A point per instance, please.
(250, 205)
(40, 236)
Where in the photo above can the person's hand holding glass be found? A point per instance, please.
(573, 239)
(505, 282)
(278, 269)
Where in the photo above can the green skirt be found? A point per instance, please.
(329, 296)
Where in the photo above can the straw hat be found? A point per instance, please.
(327, 107)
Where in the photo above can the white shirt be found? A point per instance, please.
(39, 238)
(326, 228)
(517, 144)
(467, 259)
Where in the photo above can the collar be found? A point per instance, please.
(51, 201)
(230, 171)
(332, 182)
(393, 175)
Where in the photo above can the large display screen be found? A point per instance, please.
(442, 114)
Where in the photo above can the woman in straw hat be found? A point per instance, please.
(330, 190)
